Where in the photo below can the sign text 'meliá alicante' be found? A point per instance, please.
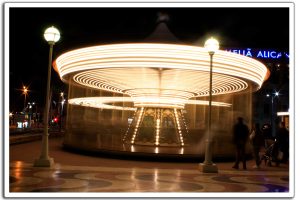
(260, 53)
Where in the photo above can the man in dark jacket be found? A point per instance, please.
(240, 137)
(257, 141)
(282, 138)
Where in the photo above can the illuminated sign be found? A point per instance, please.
(260, 53)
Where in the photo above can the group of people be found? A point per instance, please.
(242, 134)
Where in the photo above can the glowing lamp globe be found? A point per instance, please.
(211, 45)
(51, 35)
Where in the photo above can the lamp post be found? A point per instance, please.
(51, 35)
(61, 110)
(273, 95)
(211, 45)
(25, 92)
(11, 118)
(30, 112)
(34, 113)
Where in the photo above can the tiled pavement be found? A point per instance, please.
(81, 173)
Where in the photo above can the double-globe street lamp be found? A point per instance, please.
(211, 45)
(51, 35)
(32, 112)
(30, 108)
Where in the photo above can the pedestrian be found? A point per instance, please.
(282, 138)
(240, 137)
(257, 141)
(267, 133)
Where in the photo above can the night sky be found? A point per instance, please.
(266, 28)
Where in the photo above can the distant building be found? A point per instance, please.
(277, 61)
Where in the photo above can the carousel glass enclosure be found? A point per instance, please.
(144, 129)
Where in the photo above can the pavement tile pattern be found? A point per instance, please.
(67, 178)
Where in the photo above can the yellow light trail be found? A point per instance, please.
(159, 75)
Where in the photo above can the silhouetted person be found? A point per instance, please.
(267, 132)
(257, 141)
(240, 137)
(282, 139)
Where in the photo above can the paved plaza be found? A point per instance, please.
(84, 173)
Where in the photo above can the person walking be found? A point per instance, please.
(240, 137)
(257, 141)
(282, 139)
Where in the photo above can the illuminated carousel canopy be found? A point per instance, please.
(159, 75)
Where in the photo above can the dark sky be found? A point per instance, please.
(80, 27)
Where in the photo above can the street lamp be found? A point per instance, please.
(211, 45)
(51, 35)
(30, 112)
(61, 110)
(11, 118)
(273, 95)
(25, 92)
